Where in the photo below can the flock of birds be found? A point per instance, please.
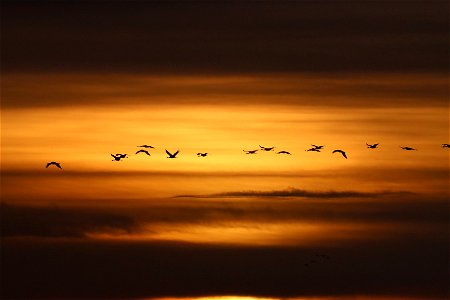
(314, 148)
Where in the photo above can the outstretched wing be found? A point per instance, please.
(343, 153)
(48, 164)
(168, 153)
(175, 154)
(58, 165)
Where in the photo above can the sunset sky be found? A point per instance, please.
(82, 80)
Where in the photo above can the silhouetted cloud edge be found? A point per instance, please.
(296, 193)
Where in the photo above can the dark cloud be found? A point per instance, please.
(60, 222)
(225, 37)
(407, 267)
(44, 254)
(408, 90)
(294, 193)
(139, 217)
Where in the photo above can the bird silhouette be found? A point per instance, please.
(143, 151)
(373, 146)
(250, 151)
(146, 146)
(53, 163)
(314, 149)
(445, 145)
(202, 154)
(118, 156)
(342, 152)
(172, 155)
(283, 152)
(407, 148)
(317, 147)
(266, 148)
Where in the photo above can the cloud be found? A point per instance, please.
(54, 90)
(153, 215)
(295, 193)
(110, 270)
(60, 222)
(205, 37)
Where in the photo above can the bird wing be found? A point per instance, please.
(343, 153)
(58, 165)
(168, 153)
(175, 154)
(146, 152)
(48, 164)
(113, 155)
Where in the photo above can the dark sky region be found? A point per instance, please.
(198, 37)
(84, 79)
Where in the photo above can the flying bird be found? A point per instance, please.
(202, 154)
(373, 146)
(407, 148)
(317, 147)
(284, 152)
(53, 163)
(314, 149)
(146, 146)
(342, 152)
(445, 145)
(143, 151)
(266, 148)
(250, 151)
(172, 155)
(118, 156)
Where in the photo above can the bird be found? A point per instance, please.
(342, 152)
(317, 147)
(250, 151)
(202, 154)
(445, 145)
(146, 146)
(172, 155)
(284, 152)
(313, 149)
(53, 163)
(118, 156)
(143, 151)
(266, 148)
(372, 146)
(407, 148)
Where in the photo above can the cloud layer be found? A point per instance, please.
(181, 37)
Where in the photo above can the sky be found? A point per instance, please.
(82, 80)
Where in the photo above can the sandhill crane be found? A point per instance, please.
(53, 163)
(283, 152)
(202, 154)
(266, 148)
(146, 146)
(143, 151)
(172, 155)
(342, 152)
(373, 146)
(118, 156)
(407, 148)
(250, 151)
